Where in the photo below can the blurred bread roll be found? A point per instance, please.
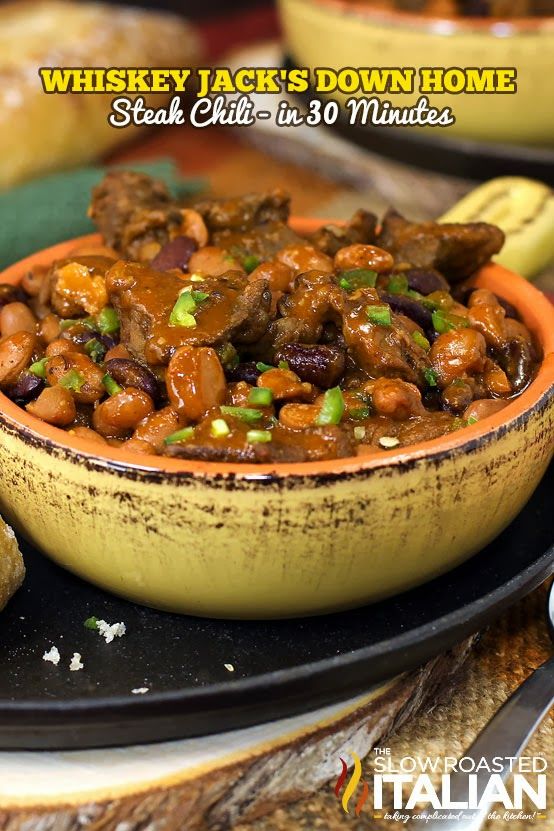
(41, 133)
(12, 570)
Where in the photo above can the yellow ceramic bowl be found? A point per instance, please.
(255, 541)
(338, 33)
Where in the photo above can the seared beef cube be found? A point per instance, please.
(362, 228)
(453, 249)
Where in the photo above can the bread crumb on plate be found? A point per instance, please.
(140, 690)
(76, 664)
(53, 656)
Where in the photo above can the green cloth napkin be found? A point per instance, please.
(54, 208)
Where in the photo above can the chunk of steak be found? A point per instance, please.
(455, 250)
(131, 210)
(144, 298)
(362, 228)
(244, 212)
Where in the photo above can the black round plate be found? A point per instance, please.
(452, 155)
(280, 667)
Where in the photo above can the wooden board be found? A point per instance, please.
(212, 782)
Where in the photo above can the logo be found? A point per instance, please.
(353, 783)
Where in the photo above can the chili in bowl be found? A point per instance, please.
(219, 412)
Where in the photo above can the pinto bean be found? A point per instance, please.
(134, 445)
(55, 405)
(129, 373)
(396, 399)
(425, 280)
(26, 387)
(83, 432)
(363, 256)
(156, 427)
(496, 380)
(120, 413)
(318, 364)
(213, 261)
(60, 346)
(117, 351)
(49, 328)
(174, 254)
(303, 257)
(195, 381)
(284, 384)
(89, 375)
(484, 407)
(299, 416)
(194, 227)
(457, 353)
(32, 280)
(16, 317)
(278, 275)
(16, 352)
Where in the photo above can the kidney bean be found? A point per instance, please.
(363, 256)
(16, 317)
(175, 254)
(91, 374)
(457, 396)
(25, 388)
(425, 280)
(129, 373)
(195, 381)
(318, 364)
(411, 308)
(11, 294)
(247, 371)
(120, 413)
(16, 352)
(55, 405)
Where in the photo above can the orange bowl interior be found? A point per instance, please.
(534, 307)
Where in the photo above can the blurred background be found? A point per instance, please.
(329, 171)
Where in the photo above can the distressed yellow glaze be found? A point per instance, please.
(364, 36)
(275, 541)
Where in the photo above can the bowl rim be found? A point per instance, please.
(537, 312)
(436, 24)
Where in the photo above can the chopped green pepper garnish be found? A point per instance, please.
(185, 306)
(357, 278)
(228, 356)
(283, 365)
(184, 434)
(107, 321)
(72, 381)
(244, 413)
(91, 623)
(39, 368)
(96, 350)
(111, 385)
(261, 367)
(421, 340)
(332, 408)
(445, 322)
(472, 420)
(250, 262)
(380, 315)
(260, 396)
(398, 284)
(258, 436)
(430, 376)
(219, 428)
(359, 413)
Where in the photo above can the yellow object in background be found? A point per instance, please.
(524, 209)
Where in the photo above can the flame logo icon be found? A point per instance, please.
(352, 784)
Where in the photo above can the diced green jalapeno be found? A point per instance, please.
(72, 381)
(107, 321)
(184, 434)
(258, 436)
(332, 408)
(39, 368)
(357, 278)
(244, 413)
(445, 322)
(111, 385)
(260, 396)
(380, 315)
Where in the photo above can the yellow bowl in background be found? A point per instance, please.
(268, 541)
(337, 34)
